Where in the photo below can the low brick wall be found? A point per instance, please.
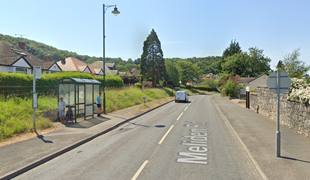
(293, 113)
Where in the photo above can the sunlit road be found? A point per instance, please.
(177, 141)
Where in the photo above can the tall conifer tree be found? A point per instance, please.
(152, 63)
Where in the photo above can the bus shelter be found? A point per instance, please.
(79, 95)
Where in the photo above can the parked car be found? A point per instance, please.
(181, 96)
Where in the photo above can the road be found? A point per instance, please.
(176, 141)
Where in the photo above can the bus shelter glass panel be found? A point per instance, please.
(96, 94)
(89, 100)
(66, 91)
(81, 99)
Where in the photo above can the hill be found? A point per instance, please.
(206, 64)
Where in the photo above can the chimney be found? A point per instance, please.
(22, 46)
(47, 58)
(63, 61)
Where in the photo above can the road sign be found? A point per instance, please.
(284, 82)
(37, 72)
(278, 82)
(144, 97)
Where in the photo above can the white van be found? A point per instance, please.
(181, 96)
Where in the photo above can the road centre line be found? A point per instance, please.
(179, 116)
(185, 108)
(139, 170)
(162, 139)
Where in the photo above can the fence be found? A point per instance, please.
(23, 91)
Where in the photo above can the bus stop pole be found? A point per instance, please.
(33, 99)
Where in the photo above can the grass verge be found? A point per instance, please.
(16, 114)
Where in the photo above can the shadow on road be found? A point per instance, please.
(294, 159)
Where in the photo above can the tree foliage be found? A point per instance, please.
(152, 63)
(42, 50)
(233, 48)
(280, 65)
(172, 72)
(294, 67)
(206, 64)
(246, 64)
(189, 72)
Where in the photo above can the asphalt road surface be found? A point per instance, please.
(177, 141)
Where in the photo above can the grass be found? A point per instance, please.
(16, 114)
(16, 117)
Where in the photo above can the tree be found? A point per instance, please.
(233, 48)
(258, 63)
(121, 68)
(152, 63)
(172, 72)
(91, 60)
(293, 66)
(188, 72)
(236, 64)
(246, 64)
(280, 65)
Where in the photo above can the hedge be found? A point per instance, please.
(204, 88)
(19, 79)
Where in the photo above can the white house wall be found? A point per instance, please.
(4, 69)
(87, 70)
(29, 71)
(21, 63)
(54, 68)
(259, 81)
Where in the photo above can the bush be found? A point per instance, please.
(253, 90)
(229, 89)
(240, 85)
(205, 88)
(139, 85)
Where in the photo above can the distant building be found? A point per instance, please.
(110, 68)
(73, 64)
(18, 60)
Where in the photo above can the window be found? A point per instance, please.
(21, 70)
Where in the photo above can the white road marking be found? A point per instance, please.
(260, 171)
(139, 170)
(162, 139)
(185, 108)
(179, 116)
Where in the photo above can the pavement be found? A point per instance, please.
(256, 132)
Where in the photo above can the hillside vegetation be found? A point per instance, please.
(206, 64)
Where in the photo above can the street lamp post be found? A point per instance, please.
(115, 12)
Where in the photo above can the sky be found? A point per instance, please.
(186, 29)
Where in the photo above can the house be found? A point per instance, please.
(73, 64)
(134, 72)
(209, 76)
(18, 60)
(259, 80)
(253, 82)
(99, 65)
(111, 66)
(245, 80)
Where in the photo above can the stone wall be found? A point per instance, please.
(293, 114)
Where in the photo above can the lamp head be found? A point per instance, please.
(115, 11)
